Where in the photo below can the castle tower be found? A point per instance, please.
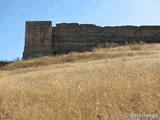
(38, 39)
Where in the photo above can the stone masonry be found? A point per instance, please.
(41, 39)
(38, 39)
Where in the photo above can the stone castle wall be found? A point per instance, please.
(42, 39)
(38, 39)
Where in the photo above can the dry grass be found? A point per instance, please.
(135, 45)
(100, 85)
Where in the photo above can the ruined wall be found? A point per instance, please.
(75, 37)
(42, 39)
(38, 39)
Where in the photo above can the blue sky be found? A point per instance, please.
(14, 13)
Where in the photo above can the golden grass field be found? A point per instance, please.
(103, 84)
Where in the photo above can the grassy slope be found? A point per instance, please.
(103, 84)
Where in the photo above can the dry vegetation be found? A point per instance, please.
(100, 85)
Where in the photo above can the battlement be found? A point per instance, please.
(41, 39)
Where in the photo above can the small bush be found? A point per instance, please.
(3, 63)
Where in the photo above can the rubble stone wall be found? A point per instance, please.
(38, 39)
(42, 39)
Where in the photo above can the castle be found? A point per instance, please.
(41, 39)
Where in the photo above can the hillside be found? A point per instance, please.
(103, 84)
